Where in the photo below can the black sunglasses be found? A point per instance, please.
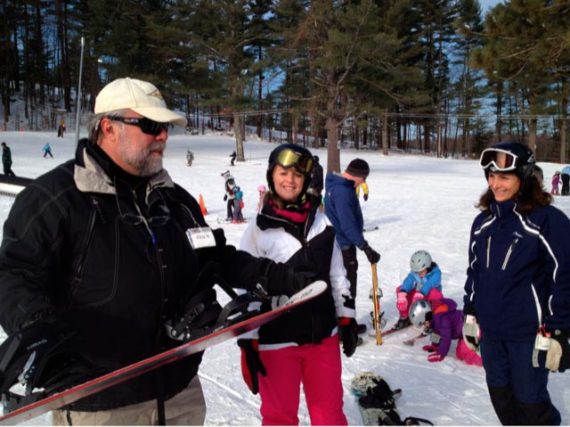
(148, 126)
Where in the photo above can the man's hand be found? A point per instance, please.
(371, 254)
(44, 354)
(348, 334)
(283, 279)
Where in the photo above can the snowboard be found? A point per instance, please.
(219, 334)
(361, 385)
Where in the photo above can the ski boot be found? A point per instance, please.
(402, 323)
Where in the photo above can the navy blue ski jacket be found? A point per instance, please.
(343, 210)
(519, 271)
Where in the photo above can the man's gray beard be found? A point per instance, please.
(141, 161)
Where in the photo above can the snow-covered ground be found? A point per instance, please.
(418, 203)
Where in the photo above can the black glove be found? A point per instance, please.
(558, 354)
(225, 197)
(365, 196)
(348, 334)
(371, 254)
(44, 354)
(251, 365)
(283, 279)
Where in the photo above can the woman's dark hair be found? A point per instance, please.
(530, 197)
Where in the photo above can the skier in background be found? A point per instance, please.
(7, 160)
(233, 157)
(301, 347)
(238, 206)
(565, 177)
(229, 196)
(61, 129)
(555, 183)
(47, 150)
(422, 282)
(98, 254)
(517, 292)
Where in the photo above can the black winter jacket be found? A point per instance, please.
(108, 253)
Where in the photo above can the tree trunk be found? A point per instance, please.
(563, 140)
(333, 153)
(385, 133)
(239, 132)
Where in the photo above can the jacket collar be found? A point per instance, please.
(502, 209)
(93, 172)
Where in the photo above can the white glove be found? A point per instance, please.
(471, 332)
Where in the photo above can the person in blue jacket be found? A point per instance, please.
(343, 210)
(517, 293)
(422, 282)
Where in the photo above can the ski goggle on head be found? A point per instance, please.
(498, 160)
(290, 158)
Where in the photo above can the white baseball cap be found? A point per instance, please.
(137, 95)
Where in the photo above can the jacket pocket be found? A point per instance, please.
(509, 253)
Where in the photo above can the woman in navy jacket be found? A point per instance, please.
(518, 287)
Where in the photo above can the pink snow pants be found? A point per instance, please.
(413, 296)
(318, 367)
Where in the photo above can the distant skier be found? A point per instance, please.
(61, 129)
(233, 157)
(565, 177)
(445, 322)
(189, 158)
(555, 183)
(229, 187)
(238, 206)
(422, 282)
(47, 150)
(7, 160)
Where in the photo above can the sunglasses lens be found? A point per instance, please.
(151, 127)
(300, 161)
(500, 160)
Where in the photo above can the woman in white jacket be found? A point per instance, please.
(302, 346)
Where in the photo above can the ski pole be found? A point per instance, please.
(376, 304)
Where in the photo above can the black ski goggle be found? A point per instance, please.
(290, 158)
(498, 160)
(148, 126)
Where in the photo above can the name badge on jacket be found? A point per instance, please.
(201, 237)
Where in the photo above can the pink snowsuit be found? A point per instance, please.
(555, 184)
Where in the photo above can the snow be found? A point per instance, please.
(418, 202)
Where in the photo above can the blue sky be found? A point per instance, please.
(487, 4)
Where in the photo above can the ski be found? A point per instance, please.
(413, 340)
(369, 229)
(393, 330)
(219, 334)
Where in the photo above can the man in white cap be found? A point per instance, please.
(99, 254)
